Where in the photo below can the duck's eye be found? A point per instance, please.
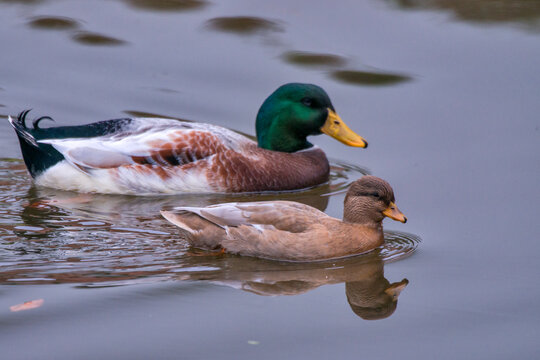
(375, 194)
(307, 101)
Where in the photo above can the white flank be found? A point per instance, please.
(64, 176)
(126, 181)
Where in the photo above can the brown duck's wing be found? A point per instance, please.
(281, 215)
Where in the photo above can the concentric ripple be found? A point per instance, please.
(398, 245)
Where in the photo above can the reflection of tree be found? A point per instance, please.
(167, 5)
(368, 292)
(244, 25)
(526, 11)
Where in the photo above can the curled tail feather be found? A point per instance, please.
(19, 124)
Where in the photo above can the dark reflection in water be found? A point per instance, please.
(167, 90)
(493, 11)
(356, 77)
(244, 25)
(167, 5)
(95, 39)
(309, 59)
(369, 294)
(28, 2)
(52, 23)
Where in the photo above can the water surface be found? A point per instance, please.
(446, 93)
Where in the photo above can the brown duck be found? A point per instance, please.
(286, 230)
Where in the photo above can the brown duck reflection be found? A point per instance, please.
(370, 295)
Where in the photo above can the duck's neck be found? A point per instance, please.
(375, 226)
(355, 215)
(365, 237)
(359, 213)
(277, 138)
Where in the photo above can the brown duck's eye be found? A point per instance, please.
(307, 101)
(374, 194)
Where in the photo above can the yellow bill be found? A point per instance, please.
(393, 213)
(336, 128)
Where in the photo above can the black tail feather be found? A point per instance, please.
(35, 123)
(22, 117)
(37, 157)
(19, 124)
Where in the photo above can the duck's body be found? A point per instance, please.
(291, 231)
(267, 228)
(150, 155)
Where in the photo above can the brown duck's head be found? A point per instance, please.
(369, 200)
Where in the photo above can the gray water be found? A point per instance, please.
(446, 93)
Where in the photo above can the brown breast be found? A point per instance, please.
(257, 169)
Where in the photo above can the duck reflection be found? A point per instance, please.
(112, 208)
(370, 295)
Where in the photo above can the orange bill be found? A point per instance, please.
(393, 213)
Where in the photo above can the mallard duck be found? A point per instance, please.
(287, 230)
(151, 155)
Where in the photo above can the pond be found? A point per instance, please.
(446, 94)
